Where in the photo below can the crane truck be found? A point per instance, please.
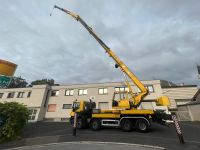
(125, 113)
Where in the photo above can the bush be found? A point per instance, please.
(14, 117)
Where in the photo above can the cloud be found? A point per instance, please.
(157, 40)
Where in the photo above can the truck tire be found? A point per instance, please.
(142, 125)
(80, 124)
(95, 124)
(126, 125)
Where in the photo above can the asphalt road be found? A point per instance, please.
(51, 132)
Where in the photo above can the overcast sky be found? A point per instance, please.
(156, 39)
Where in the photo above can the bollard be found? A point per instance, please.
(74, 126)
(178, 129)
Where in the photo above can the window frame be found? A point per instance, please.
(51, 110)
(83, 92)
(71, 92)
(103, 93)
(19, 94)
(138, 90)
(12, 96)
(56, 91)
(29, 94)
(125, 89)
(67, 107)
(1, 95)
(32, 114)
(153, 91)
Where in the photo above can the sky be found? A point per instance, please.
(155, 39)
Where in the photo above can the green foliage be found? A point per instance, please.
(17, 82)
(43, 81)
(16, 117)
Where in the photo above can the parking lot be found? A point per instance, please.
(160, 136)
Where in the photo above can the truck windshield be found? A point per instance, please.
(75, 105)
(121, 95)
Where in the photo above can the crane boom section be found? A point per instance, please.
(123, 67)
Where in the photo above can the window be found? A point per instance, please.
(54, 93)
(150, 88)
(32, 114)
(1, 95)
(11, 95)
(20, 95)
(51, 108)
(82, 92)
(139, 91)
(121, 89)
(69, 92)
(67, 106)
(29, 94)
(126, 89)
(103, 91)
(117, 89)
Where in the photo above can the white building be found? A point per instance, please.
(53, 103)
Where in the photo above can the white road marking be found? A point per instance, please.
(88, 142)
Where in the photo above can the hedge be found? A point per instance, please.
(14, 117)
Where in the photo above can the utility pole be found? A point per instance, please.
(198, 69)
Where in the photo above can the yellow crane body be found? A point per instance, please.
(125, 112)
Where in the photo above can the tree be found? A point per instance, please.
(43, 81)
(14, 117)
(17, 82)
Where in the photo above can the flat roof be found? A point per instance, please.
(179, 86)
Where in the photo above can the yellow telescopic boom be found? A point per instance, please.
(137, 98)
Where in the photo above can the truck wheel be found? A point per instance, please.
(95, 124)
(142, 125)
(126, 125)
(80, 124)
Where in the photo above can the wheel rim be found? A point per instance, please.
(79, 124)
(142, 126)
(95, 125)
(126, 126)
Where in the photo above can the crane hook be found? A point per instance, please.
(52, 10)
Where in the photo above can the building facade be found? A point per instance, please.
(181, 94)
(53, 103)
